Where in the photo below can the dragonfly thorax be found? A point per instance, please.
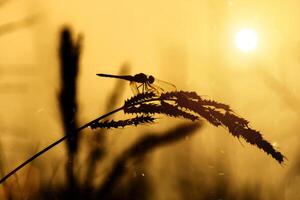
(143, 78)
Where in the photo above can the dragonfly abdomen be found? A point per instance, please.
(127, 78)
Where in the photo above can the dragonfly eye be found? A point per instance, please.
(150, 79)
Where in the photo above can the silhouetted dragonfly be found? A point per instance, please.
(141, 83)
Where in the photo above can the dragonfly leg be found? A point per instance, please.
(138, 87)
(156, 88)
(146, 87)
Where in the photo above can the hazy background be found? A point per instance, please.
(188, 43)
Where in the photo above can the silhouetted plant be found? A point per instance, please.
(178, 104)
(145, 144)
(97, 141)
(69, 65)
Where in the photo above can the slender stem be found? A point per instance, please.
(69, 135)
(56, 143)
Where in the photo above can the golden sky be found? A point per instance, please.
(190, 43)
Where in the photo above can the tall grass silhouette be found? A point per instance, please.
(145, 144)
(69, 53)
(177, 104)
(97, 141)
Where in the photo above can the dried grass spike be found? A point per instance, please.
(216, 104)
(175, 111)
(143, 108)
(180, 95)
(251, 136)
(122, 123)
(255, 138)
(189, 95)
(139, 98)
(195, 97)
(169, 95)
(204, 112)
(239, 120)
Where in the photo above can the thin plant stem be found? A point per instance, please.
(67, 136)
(56, 143)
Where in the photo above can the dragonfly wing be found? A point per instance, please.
(155, 88)
(164, 86)
(134, 88)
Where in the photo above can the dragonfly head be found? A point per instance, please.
(150, 79)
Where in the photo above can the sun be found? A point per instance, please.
(246, 40)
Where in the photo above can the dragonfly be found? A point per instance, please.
(142, 83)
